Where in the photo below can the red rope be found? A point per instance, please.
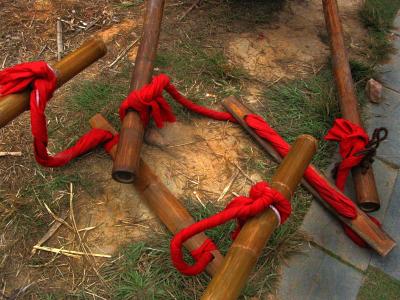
(338, 201)
(41, 78)
(352, 140)
(150, 96)
(240, 208)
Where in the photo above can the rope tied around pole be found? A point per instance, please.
(40, 77)
(355, 147)
(149, 102)
(241, 208)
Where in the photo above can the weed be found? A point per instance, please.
(303, 107)
(361, 71)
(91, 97)
(378, 285)
(378, 16)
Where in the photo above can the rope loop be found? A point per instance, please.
(241, 208)
(354, 143)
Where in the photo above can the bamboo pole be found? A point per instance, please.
(126, 163)
(12, 106)
(161, 201)
(375, 237)
(247, 247)
(364, 182)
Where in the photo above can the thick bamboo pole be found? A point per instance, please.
(375, 237)
(12, 106)
(364, 183)
(245, 250)
(126, 163)
(161, 201)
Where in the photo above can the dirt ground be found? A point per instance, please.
(194, 160)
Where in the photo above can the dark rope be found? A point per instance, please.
(379, 135)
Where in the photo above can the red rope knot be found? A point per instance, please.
(42, 80)
(149, 101)
(241, 208)
(355, 148)
(261, 196)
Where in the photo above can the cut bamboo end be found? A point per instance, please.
(366, 192)
(126, 162)
(78, 60)
(369, 206)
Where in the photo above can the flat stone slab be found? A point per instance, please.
(317, 275)
(387, 114)
(391, 263)
(396, 24)
(327, 232)
(389, 74)
(385, 178)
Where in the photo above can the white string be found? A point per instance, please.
(278, 215)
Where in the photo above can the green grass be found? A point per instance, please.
(234, 16)
(91, 97)
(146, 272)
(204, 76)
(378, 16)
(303, 107)
(88, 98)
(378, 285)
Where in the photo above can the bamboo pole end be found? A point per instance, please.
(310, 139)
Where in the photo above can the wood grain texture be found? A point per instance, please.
(245, 250)
(12, 106)
(364, 183)
(375, 237)
(161, 201)
(127, 160)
